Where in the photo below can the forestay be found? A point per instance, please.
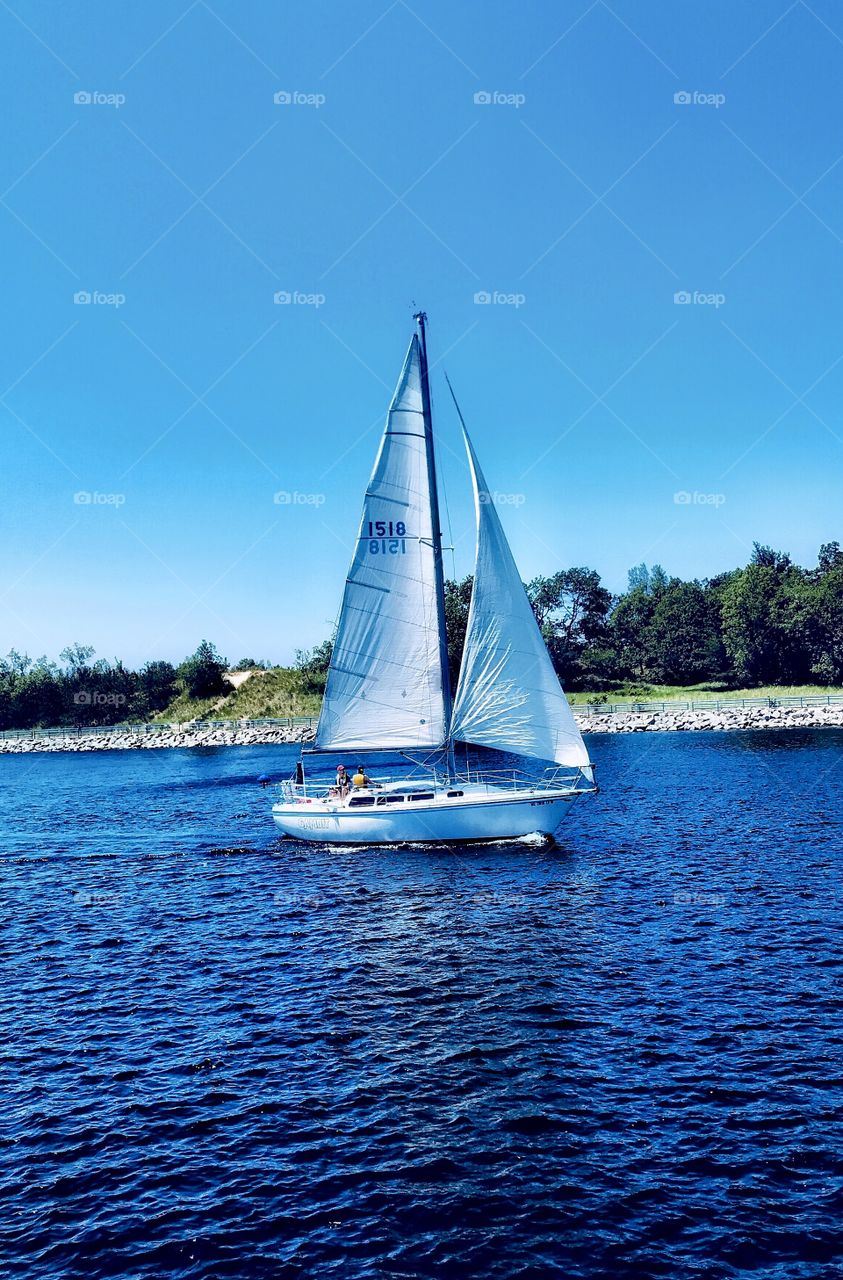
(508, 695)
(386, 686)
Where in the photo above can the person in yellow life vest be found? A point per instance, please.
(360, 779)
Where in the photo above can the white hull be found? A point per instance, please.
(486, 816)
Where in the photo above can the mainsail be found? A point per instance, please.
(388, 680)
(508, 696)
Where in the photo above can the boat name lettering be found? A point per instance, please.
(315, 824)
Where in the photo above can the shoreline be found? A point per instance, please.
(724, 720)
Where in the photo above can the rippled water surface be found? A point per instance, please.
(224, 1054)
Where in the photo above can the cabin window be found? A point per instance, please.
(452, 795)
(394, 799)
(422, 795)
(356, 802)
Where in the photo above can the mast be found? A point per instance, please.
(438, 567)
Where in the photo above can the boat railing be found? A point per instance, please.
(521, 780)
(322, 790)
(490, 779)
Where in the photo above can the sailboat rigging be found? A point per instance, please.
(388, 686)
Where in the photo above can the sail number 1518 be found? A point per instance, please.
(387, 537)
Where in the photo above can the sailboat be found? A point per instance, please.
(388, 688)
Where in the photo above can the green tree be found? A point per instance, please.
(457, 602)
(156, 688)
(77, 657)
(39, 696)
(638, 578)
(683, 640)
(629, 633)
(201, 675)
(822, 616)
(763, 619)
(571, 608)
(313, 665)
(830, 557)
(597, 667)
(659, 581)
(15, 664)
(316, 660)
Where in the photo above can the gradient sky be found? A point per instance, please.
(585, 188)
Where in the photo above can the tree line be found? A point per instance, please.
(770, 622)
(84, 691)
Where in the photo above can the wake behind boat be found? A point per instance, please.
(388, 688)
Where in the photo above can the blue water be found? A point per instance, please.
(227, 1055)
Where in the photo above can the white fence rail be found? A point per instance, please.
(596, 708)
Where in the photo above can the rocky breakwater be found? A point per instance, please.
(145, 738)
(766, 717)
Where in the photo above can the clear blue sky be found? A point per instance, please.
(597, 198)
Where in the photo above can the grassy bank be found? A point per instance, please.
(284, 692)
(700, 692)
(277, 693)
